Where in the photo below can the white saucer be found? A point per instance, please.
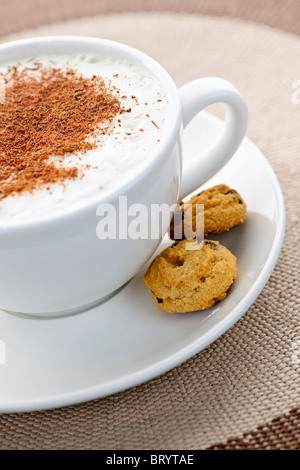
(127, 339)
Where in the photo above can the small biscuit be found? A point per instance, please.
(189, 276)
(223, 208)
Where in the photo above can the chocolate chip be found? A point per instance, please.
(159, 301)
(231, 191)
(214, 245)
(240, 201)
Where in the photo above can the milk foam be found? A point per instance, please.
(120, 154)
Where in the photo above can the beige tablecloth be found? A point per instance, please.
(242, 391)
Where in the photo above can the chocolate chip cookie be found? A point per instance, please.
(223, 208)
(191, 276)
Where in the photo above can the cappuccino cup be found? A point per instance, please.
(66, 248)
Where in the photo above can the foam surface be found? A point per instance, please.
(119, 155)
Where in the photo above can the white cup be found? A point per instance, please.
(58, 265)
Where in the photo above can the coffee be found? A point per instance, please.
(112, 140)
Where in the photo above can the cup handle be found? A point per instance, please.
(197, 95)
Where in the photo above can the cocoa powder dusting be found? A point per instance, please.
(53, 112)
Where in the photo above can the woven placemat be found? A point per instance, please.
(17, 15)
(243, 390)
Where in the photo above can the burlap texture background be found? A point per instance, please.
(243, 390)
